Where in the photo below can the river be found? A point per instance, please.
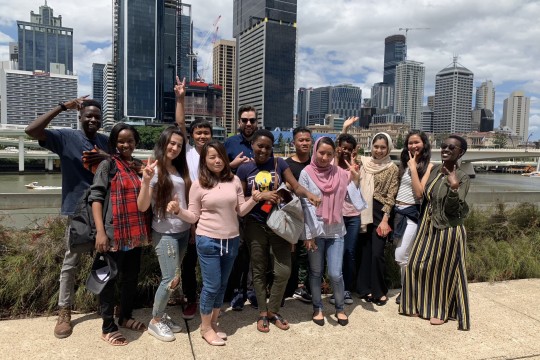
(484, 186)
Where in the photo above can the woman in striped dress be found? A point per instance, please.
(435, 285)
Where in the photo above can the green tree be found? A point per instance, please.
(500, 140)
(149, 135)
(399, 142)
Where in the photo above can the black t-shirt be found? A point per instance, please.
(297, 167)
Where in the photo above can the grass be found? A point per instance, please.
(503, 244)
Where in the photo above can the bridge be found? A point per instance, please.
(22, 147)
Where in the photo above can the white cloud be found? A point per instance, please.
(344, 41)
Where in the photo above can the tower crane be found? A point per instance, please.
(406, 33)
(211, 34)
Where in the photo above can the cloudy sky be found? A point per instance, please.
(497, 40)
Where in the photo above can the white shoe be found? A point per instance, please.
(161, 331)
(175, 328)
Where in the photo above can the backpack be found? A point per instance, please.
(82, 231)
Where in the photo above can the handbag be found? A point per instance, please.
(82, 231)
(287, 217)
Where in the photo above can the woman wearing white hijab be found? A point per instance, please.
(379, 187)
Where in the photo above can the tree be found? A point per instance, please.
(281, 143)
(149, 135)
(500, 140)
(399, 142)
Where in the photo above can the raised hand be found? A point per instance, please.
(180, 88)
(149, 170)
(354, 170)
(174, 206)
(347, 123)
(413, 159)
(451, 177)
(75, 104)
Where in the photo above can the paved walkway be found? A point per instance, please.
(505, 320)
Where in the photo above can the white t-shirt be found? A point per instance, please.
(170, 224)
(192, 157)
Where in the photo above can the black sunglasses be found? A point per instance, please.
(452, 147)
(251, 120)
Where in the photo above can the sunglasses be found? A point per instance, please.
(451, 147)
(251, 120)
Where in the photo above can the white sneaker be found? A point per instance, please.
(175, 328)
(160, 331)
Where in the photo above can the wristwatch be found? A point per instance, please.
(62, 106)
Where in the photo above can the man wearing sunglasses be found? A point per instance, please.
(239, 146)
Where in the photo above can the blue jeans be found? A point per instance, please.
(216, 258)
(352, 225)
(170, 251)
(333, 250)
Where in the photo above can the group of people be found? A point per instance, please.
(209, 202)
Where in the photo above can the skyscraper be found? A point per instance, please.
(224, 74)
(395, 51)
(43, 41)
(319, 105)
(302, 106)
(409, 92)
(453, 99)
(97, 82)
(485, 96)
(516, 113)
(150, 50)
(382, 96)
(109, 96)
(343, 100)
(265, 33)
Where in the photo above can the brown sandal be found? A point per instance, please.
(134, 325)
(280, 322)
(262, 324)
(114, 338)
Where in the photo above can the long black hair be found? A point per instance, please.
(425, 155)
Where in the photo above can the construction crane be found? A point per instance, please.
(406, 33)
(211, 34)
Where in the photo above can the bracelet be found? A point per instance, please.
(62, 106)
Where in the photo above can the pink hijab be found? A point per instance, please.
(332, 181)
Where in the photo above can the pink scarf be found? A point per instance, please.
(332, 181)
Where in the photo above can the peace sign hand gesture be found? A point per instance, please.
(149, 170)
(180, 88)
(413, 159)
(451, 177)
(354, 171)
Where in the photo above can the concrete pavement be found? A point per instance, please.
(505, 324)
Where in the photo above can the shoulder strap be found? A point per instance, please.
(275, 173)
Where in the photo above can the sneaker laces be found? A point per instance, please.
(166, 319)
(64, 315)
(163, 326)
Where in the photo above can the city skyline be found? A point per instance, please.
(486, 38)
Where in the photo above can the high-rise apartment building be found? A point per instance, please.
(44, 89)
(97, 82)
(265, 33)
(302, 106)
(109, 96)
(13, 51)
(395, 51)
(43, 41)
(482, 120)
(453, 99)
(409, 92)
(516, 113)
(342, 100)
(224, 74)
(152, 42)
(431, 102)
(485, 96)
(382, 96)
(427, 119)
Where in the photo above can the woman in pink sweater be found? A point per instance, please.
(216, 200)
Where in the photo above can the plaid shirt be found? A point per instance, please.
(132, 228)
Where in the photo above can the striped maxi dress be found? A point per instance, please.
(436, 278)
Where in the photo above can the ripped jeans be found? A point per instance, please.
(170, 251)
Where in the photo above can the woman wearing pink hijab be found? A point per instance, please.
(324, 227)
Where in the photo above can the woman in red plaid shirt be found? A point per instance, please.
(131, 229)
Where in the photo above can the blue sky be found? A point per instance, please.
(343, 43)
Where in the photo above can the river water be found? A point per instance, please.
(15, 183)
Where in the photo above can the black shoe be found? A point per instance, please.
(398, 299)
(380, 302)
(302, 295)
(319, 322)
(342, 322)
(367, 298)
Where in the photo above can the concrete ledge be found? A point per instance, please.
(30, 201)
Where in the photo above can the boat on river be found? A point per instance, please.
(34, 185)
